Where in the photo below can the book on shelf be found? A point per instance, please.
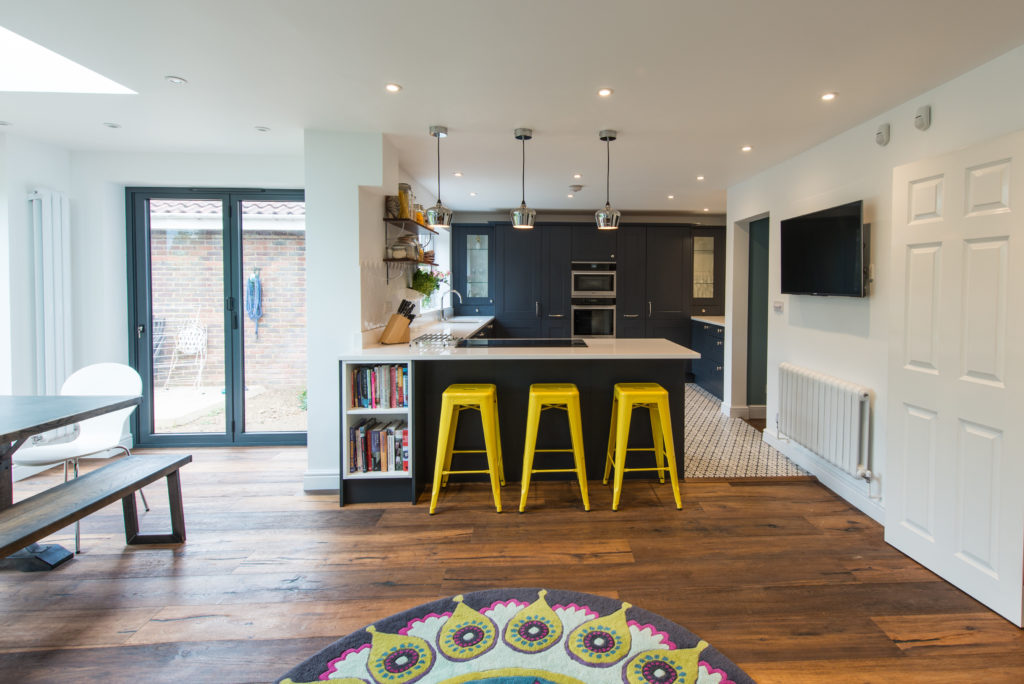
(381, 386)
(378, 447)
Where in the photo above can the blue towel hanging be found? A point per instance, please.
(254, 299)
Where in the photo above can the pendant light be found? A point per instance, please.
(439, 216)
(523, 217)
(607, 218)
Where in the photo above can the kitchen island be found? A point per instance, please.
(594, 369)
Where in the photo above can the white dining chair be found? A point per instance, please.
(97, 437)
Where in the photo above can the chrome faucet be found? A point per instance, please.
(451, 290)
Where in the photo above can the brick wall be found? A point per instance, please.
(187, 281)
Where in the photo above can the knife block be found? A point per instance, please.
(396, 331)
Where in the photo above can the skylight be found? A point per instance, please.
(31, 68)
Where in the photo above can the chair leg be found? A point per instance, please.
(659, 441)
(610, 454)
(530, 446)
(442, 447)
(78, 523)
(497, 433)
(670, 449)
(624, 414)
(576, 430)
(489, 418)
(144, 503)
(450, 445)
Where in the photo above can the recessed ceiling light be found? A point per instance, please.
(828, 97)
(176, 80)
(472, 194)
(392, 87)
(111, 124)
(746, 148)
(577, 176)
(262, 129)
(671, 196)
(457, 174)
(570, 195)
(41, 70)
(605, 92)
(700, 177)
(706, 209)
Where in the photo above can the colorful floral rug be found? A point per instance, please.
(521, 636)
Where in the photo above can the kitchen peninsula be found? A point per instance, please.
(512, 365)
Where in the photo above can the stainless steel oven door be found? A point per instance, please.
(593, 283)
(593, 321)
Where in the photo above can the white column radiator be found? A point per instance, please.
(828, 416)
(51, 235)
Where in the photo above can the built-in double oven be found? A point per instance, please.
(593, 299)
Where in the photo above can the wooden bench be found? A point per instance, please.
(53, 509)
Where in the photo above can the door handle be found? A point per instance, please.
(556, 315)
(631, 315)
(140, 331)
(650, 308)
(536, 308)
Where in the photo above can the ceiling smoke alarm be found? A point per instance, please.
(575, 188)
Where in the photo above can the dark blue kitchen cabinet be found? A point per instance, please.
(630, 282)
(707, 297)
(591, 244)
(473, 269)
(653, 268)
(709, 370)
(533, 275)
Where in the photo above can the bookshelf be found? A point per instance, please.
(375, 480)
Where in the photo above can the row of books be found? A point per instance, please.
(381, 386)
(376, 446)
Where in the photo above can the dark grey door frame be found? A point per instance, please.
(140, 314)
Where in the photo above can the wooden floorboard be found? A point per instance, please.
(785, 578)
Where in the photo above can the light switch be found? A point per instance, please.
(777, 306)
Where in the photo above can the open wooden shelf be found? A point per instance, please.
(411, 226)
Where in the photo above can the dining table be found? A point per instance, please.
(21, 417)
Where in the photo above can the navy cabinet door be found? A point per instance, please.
(591, 244)
(519, 271)
(668, 273)
(630, 282)
(473, 250)
(556, 290)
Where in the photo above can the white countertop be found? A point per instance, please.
(713, 320)
(595, 349)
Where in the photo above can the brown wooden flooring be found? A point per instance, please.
(785, 578)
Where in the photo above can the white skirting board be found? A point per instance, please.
(857, 492)
(321, 481)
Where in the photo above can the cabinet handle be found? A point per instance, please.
(631, 315)
(537, 308)
(718, 368)
(707, 327)
(650, 308)
(556, 315)
(718, 343)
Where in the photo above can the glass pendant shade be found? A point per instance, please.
(439, 216)
(523, 217)
(607, 218)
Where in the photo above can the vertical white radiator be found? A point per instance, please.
(51, 233)
(828, 416)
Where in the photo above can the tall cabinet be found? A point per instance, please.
(654, 270)
(533, 280)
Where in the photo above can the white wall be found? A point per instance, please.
(840, 336)
(339, 210)
(99, 260)
(25, 165)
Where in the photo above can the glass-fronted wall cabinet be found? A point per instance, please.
(473, 269)
(708, 272)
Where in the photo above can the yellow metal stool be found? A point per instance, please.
(565, 397)
(653, 397)
(455, 400)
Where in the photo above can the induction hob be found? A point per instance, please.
(521, 342)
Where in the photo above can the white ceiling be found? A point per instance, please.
(693, 80)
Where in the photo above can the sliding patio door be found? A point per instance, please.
(218, 324)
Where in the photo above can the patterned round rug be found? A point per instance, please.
(521, 636)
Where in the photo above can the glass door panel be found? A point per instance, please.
(273, 271)
(703, 267)
(186, 283)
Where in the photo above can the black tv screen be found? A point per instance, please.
(824, 253)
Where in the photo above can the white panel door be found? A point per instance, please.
(955, 473)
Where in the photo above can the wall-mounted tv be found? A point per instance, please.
(826, 253)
